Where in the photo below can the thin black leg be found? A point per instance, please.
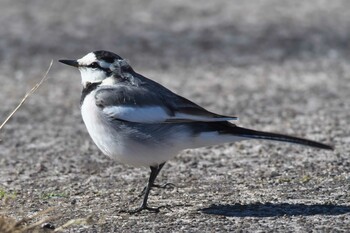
(161, 186)
(154, 173)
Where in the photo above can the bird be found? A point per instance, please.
(139, 122)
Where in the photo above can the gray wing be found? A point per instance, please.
(139, 104)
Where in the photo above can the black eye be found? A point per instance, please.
(93, 65)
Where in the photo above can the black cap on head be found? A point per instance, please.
(107, 56)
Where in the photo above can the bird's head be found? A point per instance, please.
(98, 66)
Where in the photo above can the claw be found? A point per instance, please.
(166, 185)
(138, 210)
(150, 209)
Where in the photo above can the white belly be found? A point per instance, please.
(97, 126)
(116, 144)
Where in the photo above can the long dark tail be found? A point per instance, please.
(249, 133)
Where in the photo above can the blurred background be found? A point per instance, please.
(279, 65)
(220, 32)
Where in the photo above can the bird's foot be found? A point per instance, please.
(145, 207)
(141, 208)
(162, 186)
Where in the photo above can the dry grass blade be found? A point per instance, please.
(35, 87)
(40, 222)
(78, 221)
(10, 225)
(41, 213)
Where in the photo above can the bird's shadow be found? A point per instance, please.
(275, 210)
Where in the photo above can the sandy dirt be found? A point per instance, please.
(280, 66)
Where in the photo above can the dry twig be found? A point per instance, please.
(35, 87)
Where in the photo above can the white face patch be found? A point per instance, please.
(89, 74)
(87, 59)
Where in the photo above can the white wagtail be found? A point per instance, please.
(139, 122)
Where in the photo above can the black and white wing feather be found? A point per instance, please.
(143, 105)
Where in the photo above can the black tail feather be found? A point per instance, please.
(249, 133)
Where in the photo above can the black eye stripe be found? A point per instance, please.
(94, 65)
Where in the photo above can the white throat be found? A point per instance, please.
(91, 75)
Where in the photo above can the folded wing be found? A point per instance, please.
(138, 104)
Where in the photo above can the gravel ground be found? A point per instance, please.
(281, 66)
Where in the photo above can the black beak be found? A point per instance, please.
(70, 62)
